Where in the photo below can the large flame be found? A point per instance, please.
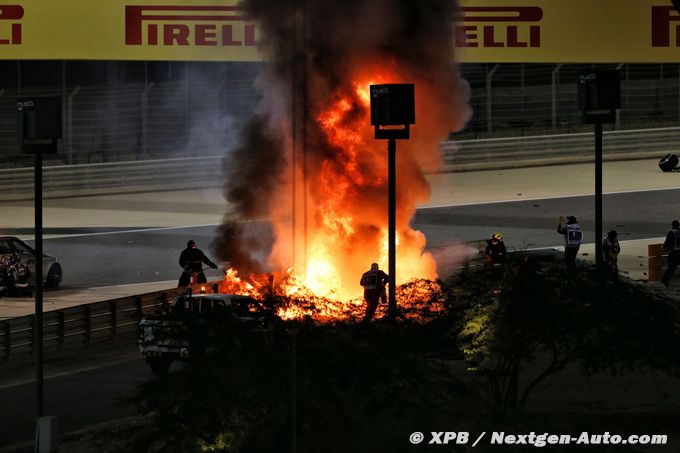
(309, 162)
(346, 196)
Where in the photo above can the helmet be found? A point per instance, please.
(497, 237)
(191, 244)
(571, 219)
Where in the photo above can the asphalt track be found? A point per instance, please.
(116, 256)
(136, 238)
(78, 399)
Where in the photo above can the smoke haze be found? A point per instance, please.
(307, 160)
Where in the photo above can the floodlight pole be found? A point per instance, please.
(598, 193)
(392, 226)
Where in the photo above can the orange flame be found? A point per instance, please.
(419, 299)
(339, 214)
(349, 201)
(329, 217)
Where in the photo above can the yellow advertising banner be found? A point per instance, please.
(183, 30)
(490, 31)
(569, 31)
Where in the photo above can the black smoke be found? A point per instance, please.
(311, 49)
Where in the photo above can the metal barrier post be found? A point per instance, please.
(489, 119)
(114, 317)
(145, 118)
(31, 336)
(138, 305)
(555, 80)
(60, 329)
(69, 113)
(7, 342)
(87, 323)
(617, 123)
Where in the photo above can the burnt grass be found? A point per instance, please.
(610, 349)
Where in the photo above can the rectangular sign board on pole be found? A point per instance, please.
(39, 124)
(599, 96)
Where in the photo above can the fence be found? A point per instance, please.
(120, 177)
(122, 111)
(526, 99)
(137, 121)
(491, 154)
(82, 324)
(464, 155)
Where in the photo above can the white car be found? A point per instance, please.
(52, 273)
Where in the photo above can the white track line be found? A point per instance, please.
(452, 205)
(140, 230)
(555, 197)
(70, 372)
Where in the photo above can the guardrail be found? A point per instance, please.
(114, 177)
(82, 324)
(467, 155)
(499, 153)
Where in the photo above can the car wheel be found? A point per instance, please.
(53, 276)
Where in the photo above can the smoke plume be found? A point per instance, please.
(308, 163)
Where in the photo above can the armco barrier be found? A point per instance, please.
(467, 155)
(498, 153)
(114, 177)
(81, 324)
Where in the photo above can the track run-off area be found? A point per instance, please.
(117, 245)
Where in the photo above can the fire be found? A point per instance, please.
(347, 229)
(308, 162)
(348, 198)
(419, 299)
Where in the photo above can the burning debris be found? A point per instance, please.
(420, 300)
(307, 161)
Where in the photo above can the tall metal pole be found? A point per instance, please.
(38, 320)
(598, 193)
(392, 225)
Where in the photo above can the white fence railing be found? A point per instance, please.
(469, 155)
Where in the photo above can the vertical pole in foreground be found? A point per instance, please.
(39, 126)
(598, 193)
(392, 226)
(392, 113)
(37, 328)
